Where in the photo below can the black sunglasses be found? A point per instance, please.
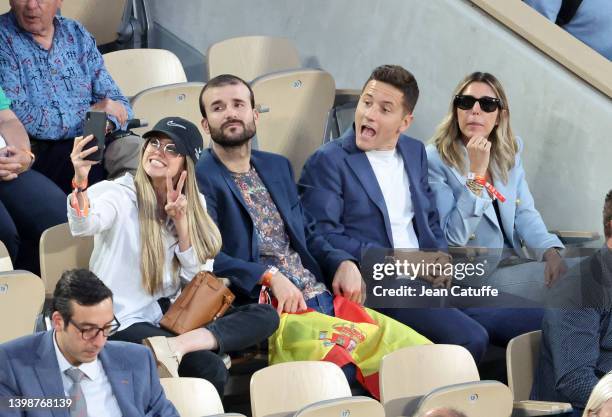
(487, 104)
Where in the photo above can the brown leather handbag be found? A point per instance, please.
(203, 300)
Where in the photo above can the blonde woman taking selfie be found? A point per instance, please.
(151, 232)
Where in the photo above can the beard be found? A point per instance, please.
(235, 140)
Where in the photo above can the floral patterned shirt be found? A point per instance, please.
(274, 246)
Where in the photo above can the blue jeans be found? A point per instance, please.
(29, 204)
(324, 303)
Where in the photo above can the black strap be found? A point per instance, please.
(567, 11)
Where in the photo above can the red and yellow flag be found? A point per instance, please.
(356, 335)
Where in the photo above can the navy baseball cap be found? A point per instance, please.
(184, 134)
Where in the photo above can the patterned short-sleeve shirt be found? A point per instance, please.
(52, 90)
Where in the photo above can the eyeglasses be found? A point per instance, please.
(169, 149)
(89, 333)
(487, 104)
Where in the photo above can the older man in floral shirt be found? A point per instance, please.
(54, 74)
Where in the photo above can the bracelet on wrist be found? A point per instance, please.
(266, 278)
(79, 187)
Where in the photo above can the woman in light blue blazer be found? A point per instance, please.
(483, 200)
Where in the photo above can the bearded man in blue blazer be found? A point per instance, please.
(74, 360)
(369, 189)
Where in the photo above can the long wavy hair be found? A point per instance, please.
(447, 138)
(204, 234)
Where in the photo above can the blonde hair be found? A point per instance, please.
(600, 394)
(204, 234)
(504, 146)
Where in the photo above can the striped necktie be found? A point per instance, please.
(78, 408)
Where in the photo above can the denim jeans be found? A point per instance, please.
(29, 204)
(324, 303)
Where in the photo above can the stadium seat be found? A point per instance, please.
(474, 399)
(521, 360)
(192, 397)
(22, 295)
(60, 251)
(342, 114)
(285, 388)
(349, 406)
(103, 19)
(5, 259)
(295, 105)
(135, 70)
(249, 57)
(412, 372)
(180, 99)
(227, 415)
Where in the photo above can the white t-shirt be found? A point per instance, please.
(393, 180)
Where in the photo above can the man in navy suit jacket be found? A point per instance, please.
(119, 379)
(369, 189)
(251, 195)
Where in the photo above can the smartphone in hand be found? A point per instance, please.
(95, 124)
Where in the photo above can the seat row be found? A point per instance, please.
(412, 379)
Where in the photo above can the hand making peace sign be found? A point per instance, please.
(176, 201)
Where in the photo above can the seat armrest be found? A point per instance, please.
(539, 408)
(575, 237)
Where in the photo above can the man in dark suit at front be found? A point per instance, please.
(368, 189)
(74, 360)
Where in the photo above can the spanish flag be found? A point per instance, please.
(356, 335)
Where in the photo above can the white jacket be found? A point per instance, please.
(113, 221)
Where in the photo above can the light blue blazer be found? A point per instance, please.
(468, 220)
(29, 368)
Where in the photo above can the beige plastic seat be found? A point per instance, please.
(249, 57)
(192, 397)
(227, 415)
(412, 372)
(474, 399)
(5, 6)
(180, 99)
(294, 107)
(135, 70)
(284, 388)
(60, 251)
(101, 18)
(5, 259)
(22, 295)
(521, 361)
(349, 406)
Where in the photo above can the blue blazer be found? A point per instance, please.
(339, 189)
(239, 256)
(29, 368)
(468, 220)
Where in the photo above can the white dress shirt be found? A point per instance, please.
(393, 180)
(96, 387)
(113, 221)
